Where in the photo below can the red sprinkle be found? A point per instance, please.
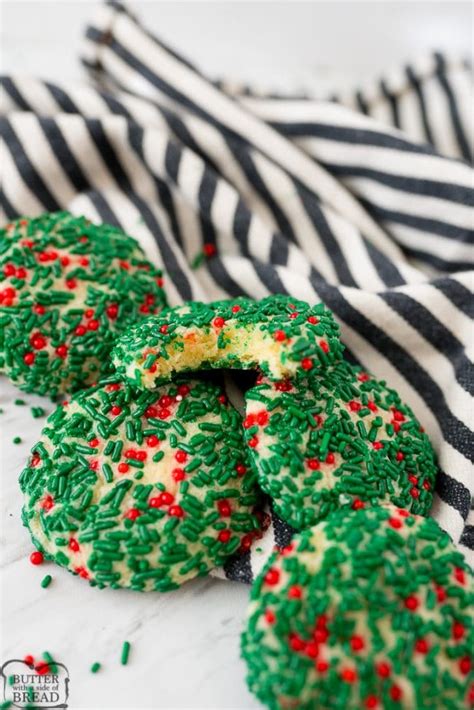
(38, 341)
(349, 675)
(249, 421)
(224, 536)
(411, 603)
(176, 511)
(311, 649)
(296, 644)
(82, 572)
(36, 558)
(219, 322)
(395, 523)
(9, 270)
(42, 668)
(321, 634)
(396, 693)
(178, 474)
(270, 617)
(279, 335)
(421, 646)
(73, 545)
(47, 503)
(272, 577)
(295, 592)
(306, 363)
(283, 386)
(458, 630)
(223, 506)
(262, 417)
(209, 249)
(357, 643)
(132, 514)
(383, 669)
(166, 498)
(112, 311)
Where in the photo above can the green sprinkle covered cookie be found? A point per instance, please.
(67, 288)
(281, 336)
(369, 609)
(140, 489)
(335, 440)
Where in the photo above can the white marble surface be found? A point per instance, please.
(185, 644)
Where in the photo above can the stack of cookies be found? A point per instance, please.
(150, 477)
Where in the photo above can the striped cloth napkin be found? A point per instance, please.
(363, 201)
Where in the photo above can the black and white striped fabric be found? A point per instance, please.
(362, 201)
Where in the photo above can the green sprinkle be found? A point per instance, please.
(17, 440)
(50, 661)
(46, 581)
(125, 653)
(95, 667)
